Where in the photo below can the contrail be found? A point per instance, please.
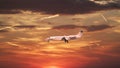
(50, 17)
(5, 28)
(104, 18)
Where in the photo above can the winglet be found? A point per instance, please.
(81, 31)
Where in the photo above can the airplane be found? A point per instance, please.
(65, 38)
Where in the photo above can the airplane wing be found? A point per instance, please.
(72, 38)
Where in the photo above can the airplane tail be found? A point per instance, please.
(80, 33)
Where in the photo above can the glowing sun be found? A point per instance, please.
(52, 67)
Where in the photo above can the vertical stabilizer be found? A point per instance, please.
(80, 33)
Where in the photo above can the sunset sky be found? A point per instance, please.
(24, 26)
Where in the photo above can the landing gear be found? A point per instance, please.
(65, 40)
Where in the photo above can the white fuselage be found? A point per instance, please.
(68, 37)
(60, 37)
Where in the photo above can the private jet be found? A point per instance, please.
(65, 38)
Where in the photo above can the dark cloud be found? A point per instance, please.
(5, 30)
(25, 26)
(96, 27)
(88, 28)
(15, 64)
(9, 11)
(55, 6)
(66, 27)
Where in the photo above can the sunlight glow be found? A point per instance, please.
(52, 67)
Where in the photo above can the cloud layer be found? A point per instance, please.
(23, 45)
(57, 6)
(88, 28)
